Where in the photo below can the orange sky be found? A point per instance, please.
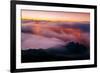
(55, 16)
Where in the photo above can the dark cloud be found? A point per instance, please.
(81, 26)
(27, 29)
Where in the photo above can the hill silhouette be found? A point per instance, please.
(71, 51)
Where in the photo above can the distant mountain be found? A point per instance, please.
(71, 51)
(26, 20)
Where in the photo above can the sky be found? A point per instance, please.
(55, 16)
(73, 27)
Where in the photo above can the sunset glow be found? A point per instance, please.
(55, 16)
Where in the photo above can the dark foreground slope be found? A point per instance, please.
(72, 51)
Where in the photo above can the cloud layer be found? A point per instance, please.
(40, 35)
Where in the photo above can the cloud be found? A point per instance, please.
(36, 41)
(82, 26)
(46, 36)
